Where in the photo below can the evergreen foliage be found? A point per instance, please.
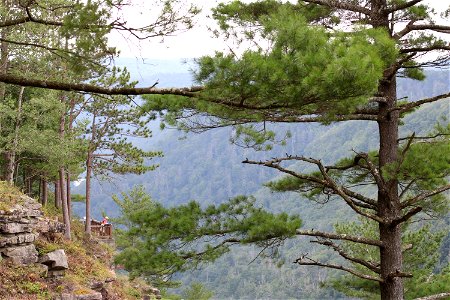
(181, 237)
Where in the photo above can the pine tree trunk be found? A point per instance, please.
(88, 193)
(44, 192)
(66, 219)
(57, 195)
(389, 202)
(11, 154)
(9, 167)
(69, 196)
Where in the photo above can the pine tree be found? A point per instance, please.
(334, 61)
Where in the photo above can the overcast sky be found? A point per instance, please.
(194, 43)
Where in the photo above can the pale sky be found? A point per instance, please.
(193, 43)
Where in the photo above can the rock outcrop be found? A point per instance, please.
(18, 226)
(56, 262)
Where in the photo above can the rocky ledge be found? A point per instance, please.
(18, 231)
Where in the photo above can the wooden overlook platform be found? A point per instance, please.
(101, 231)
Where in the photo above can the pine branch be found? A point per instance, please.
(334, 4)
(342, 191)
(411, 27)
(425, 49)
(345, 237)
(345, 255)
(14, 22)
(89, 88)
(410, 106)
(401, 6)
(312, 262)
(435, 297)
(312, 119)
(423, 196)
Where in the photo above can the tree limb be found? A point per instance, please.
(411, 27)
(312, 262)
(409, 106)
(374, 171)
(334, 236)
(423, 196)
(401, 6)
(425, 49)
(341, 5)
(407, 216)
(89, 88)
(345, 255)
(435, 297)
(275, 164)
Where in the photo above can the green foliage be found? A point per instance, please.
(196, 292)
(158, 241)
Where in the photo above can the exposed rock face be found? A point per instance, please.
(17, 231)
(56, 262)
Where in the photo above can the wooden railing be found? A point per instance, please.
(101, 231)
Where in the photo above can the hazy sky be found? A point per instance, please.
(194, 43)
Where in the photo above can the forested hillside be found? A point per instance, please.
(207, 167)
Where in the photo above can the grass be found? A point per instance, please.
(9, 195)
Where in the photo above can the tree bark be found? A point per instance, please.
(10, 155)
(87, 227)
(69, 196)
(389, 208)
(66, 219)
(57, 195)
(44, 191)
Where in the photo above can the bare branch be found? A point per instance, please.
(345, 237)
(406, 189)
(411, 27)
(425, 49)
(339, 190)
(89, 88)
(344, 192)
(423, 196)
(423, 137)
(410, 106)
(435, 297)
(341, 5)
(345, 255)
(407, 216)
(401, 6)
(374, 171)
(14, 22)
(312, 262)
(398, 273)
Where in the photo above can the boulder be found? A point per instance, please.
(21, 255)
(56, 260)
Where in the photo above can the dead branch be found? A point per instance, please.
(435, 297)
(345, 255)
(311, 262)
(345, 237)
(425, 195)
